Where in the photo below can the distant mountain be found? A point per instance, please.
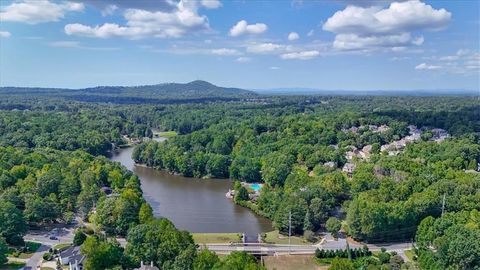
(195, 91)
(417, 92)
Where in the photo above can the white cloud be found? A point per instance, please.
(5, 34)
(464, 61)
(274, 68)
(311, 33)
(243, 59)
(211, 4)
(303, 55)
(418, 41)
(182, 20)
(225, 52)
(293, 36)
(265, 48)
(375, 26)
(356, 42)
(242, 28)
(109, 10)
(426, 66)
(38, 11)
(65, 44)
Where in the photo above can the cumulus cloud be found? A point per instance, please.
(242, 28)
(5, 34)
(225, 52)
(109, 10)
(274, 68)
(38, 11)
(180, 21)
(379, 27)
(266, 48)
(303, 55)
(211, 4)
(357, 42)
(293, 36)
(311, 33)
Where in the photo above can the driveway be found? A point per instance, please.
(36, 260)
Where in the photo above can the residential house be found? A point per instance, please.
(72, 257)
(349, 168)
(146, 267)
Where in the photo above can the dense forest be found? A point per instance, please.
(358, 162)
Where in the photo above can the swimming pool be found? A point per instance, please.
(256, 187)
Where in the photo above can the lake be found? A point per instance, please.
(193, 204)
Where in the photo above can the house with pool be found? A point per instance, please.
(253, 190)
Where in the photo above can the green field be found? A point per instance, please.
(32, 247)
(62, 246)
(287, 262)
(274, 237)
(166, 134)
(211, 238)
(410, 254)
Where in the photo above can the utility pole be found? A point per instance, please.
(289, 230)
(443, 204)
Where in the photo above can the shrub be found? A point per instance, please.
(384, 257)
(79, 238)
(47, 256)
(309, 236)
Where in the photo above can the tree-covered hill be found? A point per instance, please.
(192, 92)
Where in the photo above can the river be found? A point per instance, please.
(193, 204)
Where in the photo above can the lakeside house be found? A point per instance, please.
(146, 267)
(349, 168)
(72, 257)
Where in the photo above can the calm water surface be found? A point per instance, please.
(196, 205)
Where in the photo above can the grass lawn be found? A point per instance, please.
(288, 262)
(209, 238)
(32, 247)
(62, 246)
(167, 134)
(409, 253)
(12, 266)
(324, 261)
(46, 268)
(274, 237)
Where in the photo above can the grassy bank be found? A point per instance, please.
(215, 238)
(21, 253)
(287, 262)
(274, 237)
(166, 134)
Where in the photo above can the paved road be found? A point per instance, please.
(261, 248)
(36, 260)
(328, 243)
(64, 235)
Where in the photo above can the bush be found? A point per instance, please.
(309, 236)
(47, 256)
(384, 257)
(396, 262)
(333, 225)
(79, 238)
(88, 230)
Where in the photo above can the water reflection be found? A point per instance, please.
(196, 205)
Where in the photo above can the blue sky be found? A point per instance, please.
(337, 44)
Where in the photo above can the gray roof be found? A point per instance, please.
(73, 253)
